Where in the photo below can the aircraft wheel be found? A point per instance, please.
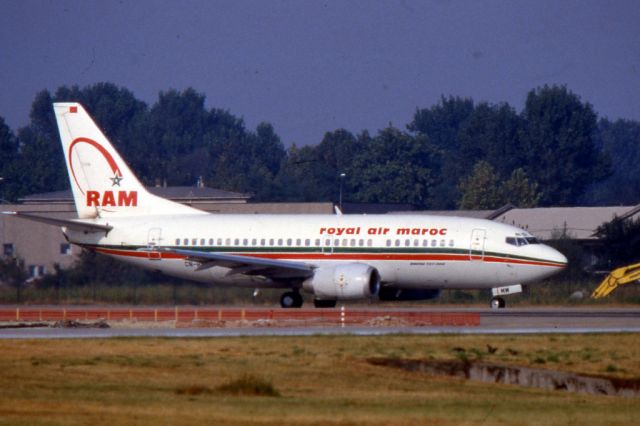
(497, 303)
(291, 299)
(324, 303)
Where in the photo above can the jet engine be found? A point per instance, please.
(341, 282)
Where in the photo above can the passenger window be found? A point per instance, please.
(361, 243)
(336, 243)
(263, 242)
(298, 242)
(388, 243)
(210, 241)
(307, 242)
(177, 241)
(443, 243)
(219, 241)
(353, 243)
(327, 242)
(425, 243)
(271, 241)
(254, 242)
(407, 243)
(451, 243)
(369, 242)
(228, 241)
(317, 242)
(416, 243)
(280, 241)
(397, 243)
(245, 242)
(289, 241)
(185, 242)
(203, 242)
(236, 242)
(434, 243)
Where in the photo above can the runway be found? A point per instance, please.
(211, 322)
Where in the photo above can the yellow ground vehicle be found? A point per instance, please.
(617, 277)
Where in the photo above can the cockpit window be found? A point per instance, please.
(521, 241)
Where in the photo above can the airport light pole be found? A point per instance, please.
(342, 176)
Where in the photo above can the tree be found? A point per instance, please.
(620, 141)
(312, 173)
(620, 242)
(9, 170)
(14, 274)
(442, 124)
(492, 133)
(520, 191)
(483, 190)
(559, 145)
(395, 167)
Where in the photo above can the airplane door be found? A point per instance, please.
(326, 244)
(154, 239)
(476, 251)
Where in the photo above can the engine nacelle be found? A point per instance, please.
(341, 282)
(399, 294)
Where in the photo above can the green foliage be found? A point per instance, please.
(394, 167)
(620, 242)
(550, 154)
(312, 173)
(620, 141)
(13, 273)
(9, 171)
(559, 141)
(442, 124)
(482, 190)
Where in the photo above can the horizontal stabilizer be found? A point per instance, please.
(77, 225)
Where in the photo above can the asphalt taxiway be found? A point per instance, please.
(507, 321)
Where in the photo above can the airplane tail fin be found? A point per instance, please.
(102, 183)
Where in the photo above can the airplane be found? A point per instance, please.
(334, 257)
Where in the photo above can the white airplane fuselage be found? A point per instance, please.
(408, 251)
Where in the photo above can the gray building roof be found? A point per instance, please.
(577, 222)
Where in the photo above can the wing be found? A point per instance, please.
(77, 225)
(248, 265)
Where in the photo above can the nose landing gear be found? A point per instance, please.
(498, 302)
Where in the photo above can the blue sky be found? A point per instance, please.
(309, 67)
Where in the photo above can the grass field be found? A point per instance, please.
(303, 380)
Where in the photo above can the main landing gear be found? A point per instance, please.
(291, 299)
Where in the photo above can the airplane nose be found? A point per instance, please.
(555, 256)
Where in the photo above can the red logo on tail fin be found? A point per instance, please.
(111, 199)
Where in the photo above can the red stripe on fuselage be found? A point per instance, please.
(344, 256)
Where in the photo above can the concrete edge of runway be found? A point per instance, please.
(75, 333)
